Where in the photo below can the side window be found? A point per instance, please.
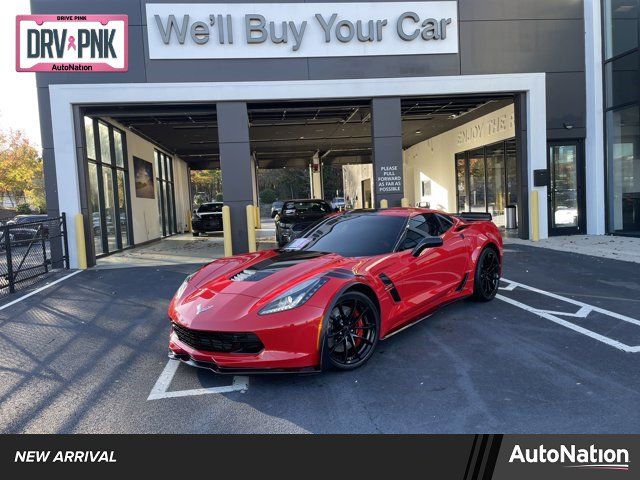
(445, 223)
(411, 239)
(428, 223)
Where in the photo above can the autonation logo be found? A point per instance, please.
(574, 457)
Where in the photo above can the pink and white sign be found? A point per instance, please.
(72, 43)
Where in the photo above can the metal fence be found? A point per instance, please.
(31, 249)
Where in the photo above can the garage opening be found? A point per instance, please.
(300, 149)
(140, 165)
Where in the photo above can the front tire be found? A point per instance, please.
(487, 276)
(353, 326)
(196, 234)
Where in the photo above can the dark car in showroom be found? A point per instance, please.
(207, 218)
(298, 215)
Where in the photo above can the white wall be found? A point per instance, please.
(434, 158)
(352, 177)
(145, 216)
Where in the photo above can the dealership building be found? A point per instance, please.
(496, 106)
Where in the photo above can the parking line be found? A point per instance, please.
(583, 312)
(38, 290)
(161, 387)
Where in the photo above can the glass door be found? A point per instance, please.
(565, 189)
(477, 181)
(109, 198)
(461, 182)
(495, 187)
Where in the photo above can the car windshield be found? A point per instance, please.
(353, 235)
(210, 208)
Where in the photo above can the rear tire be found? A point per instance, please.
(351, 336)
(487, 277)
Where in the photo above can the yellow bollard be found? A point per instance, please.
(189, 226)
(404, 202)
(533, 214)
(81, 245)
(384, 203)
(257, 212)
(226, 231)
(251, 228)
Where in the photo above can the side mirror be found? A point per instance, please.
(427, 242)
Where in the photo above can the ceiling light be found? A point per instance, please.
(418, 132)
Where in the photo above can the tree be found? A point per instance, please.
(20, 169)
(332, 181)
(206, 184)
(268, 196)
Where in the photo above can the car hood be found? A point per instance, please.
(230, 287)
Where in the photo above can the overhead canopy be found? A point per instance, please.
(288, 134)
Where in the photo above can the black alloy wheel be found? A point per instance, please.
(352, 332)
(487, 277)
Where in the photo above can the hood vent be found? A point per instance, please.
(250, 275)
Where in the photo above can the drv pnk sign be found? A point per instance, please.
(72, 43)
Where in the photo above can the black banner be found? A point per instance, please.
(456, 457)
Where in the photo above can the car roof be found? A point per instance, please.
(211, 203)
(397, 211)
(305, 200)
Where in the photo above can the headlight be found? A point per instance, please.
(183, 287)
(294, 297)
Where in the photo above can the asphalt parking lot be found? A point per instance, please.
(557, 352)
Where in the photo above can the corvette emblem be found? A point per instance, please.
(200, 308)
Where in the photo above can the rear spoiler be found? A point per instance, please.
(474, 216)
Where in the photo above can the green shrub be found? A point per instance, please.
(268, 196)
(23, 209)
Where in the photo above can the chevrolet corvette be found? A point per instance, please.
(327, 298)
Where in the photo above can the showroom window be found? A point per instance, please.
(622, 115)
(109, 199)
(620, 26)
(486, 179)
(166, 193)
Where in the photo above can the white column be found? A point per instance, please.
(594, 143)
(315, 176)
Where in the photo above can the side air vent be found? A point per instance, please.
(463, 283)
(390, 287)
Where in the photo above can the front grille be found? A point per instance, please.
(226, 342)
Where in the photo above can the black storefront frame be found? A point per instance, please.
(465, 155)
(112, 165)
(608, 167)
(581, 227)
(166, 190)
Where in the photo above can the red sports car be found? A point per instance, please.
(329, 296)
